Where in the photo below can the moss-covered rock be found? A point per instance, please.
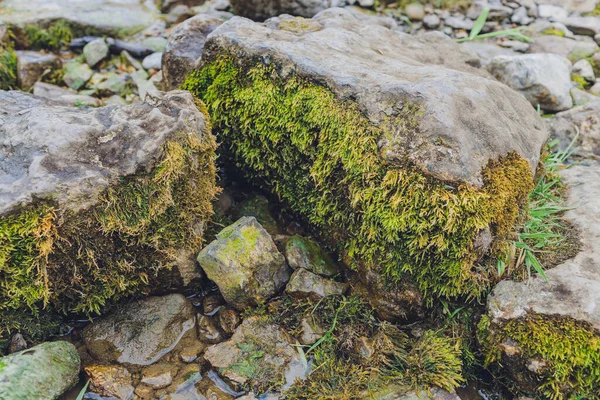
(305, 253)
(400, 162)
(99, 204)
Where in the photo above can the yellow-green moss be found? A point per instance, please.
(580, 81)
(8, 69)
(553, 32)
(57, 35)
(571, 350)
(320, 155)
(122, 246)
(595, 12)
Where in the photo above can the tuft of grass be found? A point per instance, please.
(56, 36)
(480, 22)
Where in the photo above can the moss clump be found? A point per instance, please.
(567, 350)
(262, 377)
(8, 69)
(122, 246)
(553, 32)
(580, 81)
(53, 38)
(327, 167)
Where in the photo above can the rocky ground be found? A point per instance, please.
(254, 199)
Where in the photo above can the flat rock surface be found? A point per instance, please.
(468, 118)
(70, 155)
(110, 16)
(582, 122)
(573, 289)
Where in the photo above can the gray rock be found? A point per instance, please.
(179, 14)
(144, 85)
(588, 26)
(141, 332)
(497, 12)
(366, 3)
(570, 48)
(573, 289)
(245, 264)
(259, 10)
(112, 381)
(115, 83)
(595, 89)
(409, 68)
(487, 51)
(159, 375)
(516, 45)
(17, 343)
(115, 100)
(581, 97)
(521, 17)
(597, 38)
(584, 69)
(459, 22)
(552, 11)
(184, 47)
(310, 330)
(415, 11)
(64, 96)
(305, 284)
(95, 51)
(306, 253)
(581, 122)
(431, 21)
(153, 61)
(44, 371)
(578, 6)
(100, 145)
(107, 16)
(168, 5)
(261, 345)
(77, 75)
(31, 66)
(543, 79)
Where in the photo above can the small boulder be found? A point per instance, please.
(570, 48)
(543, 79)
(142, 332)
(77, 75)
(581, 122)
(245, 264)
(415, 11)
(584, 69)
(110, 381)
(95, 51)
(305, 253)
(587, 26)
(45, 371)
(153, 61)
(159, 376)
(208, 330)
(304, 284)
(431, 21)
(114, 83)
(32, 66)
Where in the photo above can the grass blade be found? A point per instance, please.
(478, 25)
(83, 390)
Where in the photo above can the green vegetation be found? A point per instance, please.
(553, 32)
(480, 22)
(595, 12)
(53, 38)
(262, 377)
(8, 69)
(568, 350)
(122, 246)
(327, 167)
(580, 81)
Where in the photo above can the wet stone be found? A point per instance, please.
(110, 381)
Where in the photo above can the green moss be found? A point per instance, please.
(8, 69)
(262, 377)
(580, 54)
(123, 246)
(553, 32)
(595, 12)
(57, 35)
(580, 81)
(327, 167)
(570, 349)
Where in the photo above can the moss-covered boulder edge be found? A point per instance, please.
(320, 155)
(126, 244)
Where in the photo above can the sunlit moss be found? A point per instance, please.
(53, 38)
(320, 155)
(8, 69)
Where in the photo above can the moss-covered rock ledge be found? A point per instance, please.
(95, 203)
(396, 147)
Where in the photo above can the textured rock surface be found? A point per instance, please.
(430, 70)
(185, 46)
(110, 381)
(31, 65)
(142, 332)
(543, 79)
(259, 10)
(581, 122)
(45, 371)
(63, 96)
(394, 392)
(573, 289)
(70, 155)
(77, 75)
(245, 263)
(306, 284)
(95, 51)
(109, 16)
(564, 46)
(305, 253)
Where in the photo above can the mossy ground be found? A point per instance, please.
(123, 246)
(320, 156)
(568, 349)
(8, 68)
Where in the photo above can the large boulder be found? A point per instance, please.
(544, 79)
(259, 10)
(142, 332)
(45, 371)
(546, 333)
(245, 264)
(399, 151)
(184, 48)
(97, 204)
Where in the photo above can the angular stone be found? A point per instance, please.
(31, 66)
(95, 51)
(44, 371)
(153, 61)
(245, 264)
(581, 122)
(229, 319)
(584, 69)
(64, 96)
(588, 26)
(77, 75)
(487, 51)
(110, 381)
(543, 79)
(185, 46)
(142, 332)
(306, 253)
(208, 330)
(159, 375)
(259, 10)
(305, 284)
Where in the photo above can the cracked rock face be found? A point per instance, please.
(467, 118)
(70, 155)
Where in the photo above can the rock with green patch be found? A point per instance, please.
(113, 381)
(257, 206)
(245, 264)
(545, 334)
(33, 67)
(305, 253)
(398, 152)
(259, 356)
(114, 83)
(304, 283)
(45, 371)
(581, 124)
(95, 51)
(77, 75)
(584, 69)
(100, 204)
(141, 332)
(574, 49)
(581, 97)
